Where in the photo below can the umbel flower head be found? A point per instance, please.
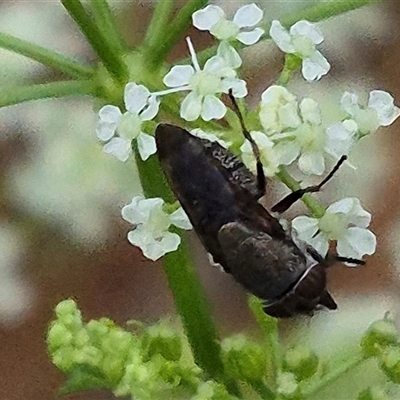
(345, 222)
(380, 110)
(301, 40)
(119, 129)
(204, 85)
(213, 19)
(151, 225)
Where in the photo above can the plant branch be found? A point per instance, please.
(313, 387)
(47, 57)
(110, 57)
(177, 28)
(316, 208)
(155, 34)
(22, 94)
(184, 283)
(106, 22)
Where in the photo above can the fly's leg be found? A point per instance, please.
(291, 198)
(261, 180)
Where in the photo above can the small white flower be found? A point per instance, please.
(268, 155)
(380, 110)
(120, 129)
(151, 225)
(216, 77)
(278, 110)
(345, 222)
(212, 18)
(301, 41)
(210, 137)
(310, 142)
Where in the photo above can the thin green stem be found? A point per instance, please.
(269, 326)
(316, 208)
(47, 57)
(326, 380)
(325, 10)
(105, 21)
(177, 28)
(263, 390)
(110, 57)
(188, 294)
(22, 94)
(155, 35)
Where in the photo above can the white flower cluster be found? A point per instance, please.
(288, 130)
(151, 224)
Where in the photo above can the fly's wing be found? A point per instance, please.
(266, 267)
(213, 186)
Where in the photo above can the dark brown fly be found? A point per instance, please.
(220, 196)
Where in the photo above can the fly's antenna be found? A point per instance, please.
(261, 181)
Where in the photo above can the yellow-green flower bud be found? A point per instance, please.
(390, 363)
(243, 360)
(379, 335)
(300, 361)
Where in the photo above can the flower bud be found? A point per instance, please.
(243, 359)
(300, 361)
(379, 335)
(161, 339)
(390, 363)
(68, 314)
(373, 393)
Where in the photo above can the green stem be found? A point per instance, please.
(325, 10)
(263, 390)
(189, 297)
(177, 28)
(155, 35)
(47, 57)
(316, 208)
(269, 326)
(110, 57)
(106, 22)
(22, 94)
(331, 377)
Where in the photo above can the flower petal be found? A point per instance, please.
(349, 103)
(248, 15)
(281, 37)
(229, 54)
(110, 114)
(238, 86)
(213, 108)
(207, 17)
(180, 219)
(179, 75)
(132, 213)
(191, 106)
(351, 207)
(119, 148)
(305, 28)
(341, 138)
(310, 111)
(170, 242)
(146, 145)
(105, 131)
(312, 163)
(315, 67)
(135, 97)
(153, 105)
(251, 37)
(383, 103)
(305, 227)
(356, 243)
(287, 151)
